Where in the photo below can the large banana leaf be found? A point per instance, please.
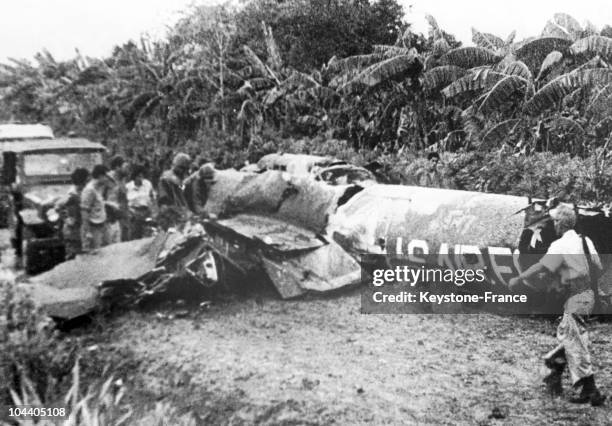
(553, 92)
(442, 76)
(499, 133)
(353, 62)
(389, 51)
(486, 40)
(431, 62)
(274, 58)
(481, 79)
(297, 80)
(440, 47)
(535, 51)
(562, 25)
(502, 92)
(435, 28)
(508, 59)
(592, 63)
(469, 57)
(473, 124)
(392, 68)
(593, 45)
(601, 102)
(510, 38)
(344, 78)
(552, 59)
(519, 69)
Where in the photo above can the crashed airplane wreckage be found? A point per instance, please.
(306, 236)
(271, 222)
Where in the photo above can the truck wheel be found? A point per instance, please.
(30, 259)
(40, 255)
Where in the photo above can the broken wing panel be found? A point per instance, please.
(272, 232)
(65, 303)
(323, 269)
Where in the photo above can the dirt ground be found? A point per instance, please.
(319, 361)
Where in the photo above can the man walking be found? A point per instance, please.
(567, 258)
(94, 232)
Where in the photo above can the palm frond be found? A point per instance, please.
(552, 59)
(255, 62)
(554, 92)
(510, 38)
(440, 47)
(593, 45)
(601, 102)
(274, 58)
(469, 57)
(392, 68)
(497, 134)
(502, 92)
(351, 63)
(435, 28)
(562, 25)
(519, 68)
(535, 51)
(486, 40)
(478, 80)
(442, 76)
(299, 80)
(389, 51)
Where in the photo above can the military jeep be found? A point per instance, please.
(37, 174)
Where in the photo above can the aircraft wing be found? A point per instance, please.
(296, 260)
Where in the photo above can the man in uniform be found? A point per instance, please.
(171, 199)
(197, 188)
(567, 258)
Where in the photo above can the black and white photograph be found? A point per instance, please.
(305, 212)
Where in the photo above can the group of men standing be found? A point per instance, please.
(109, 206)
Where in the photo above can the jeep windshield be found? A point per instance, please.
(59, 164)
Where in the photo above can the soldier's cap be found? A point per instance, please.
(99, 170)
(207, 172)
(181, 160)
